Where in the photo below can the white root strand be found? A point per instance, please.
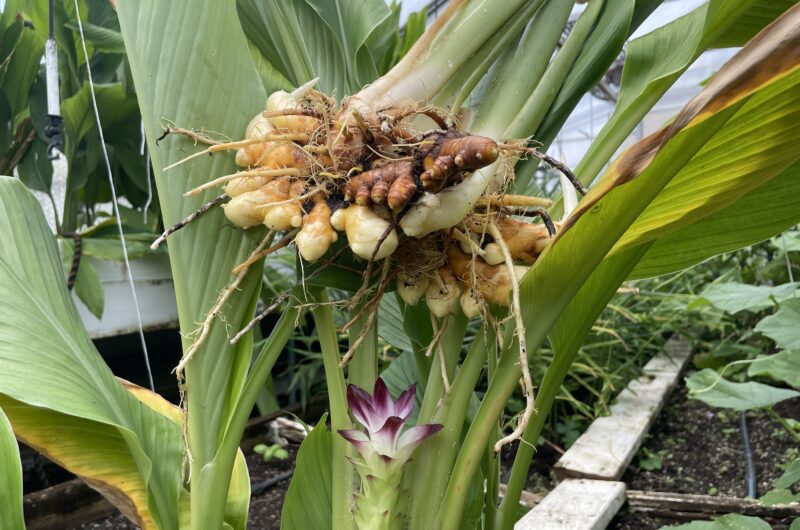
(280, 172)
(295, 137)
(527, 384)
(440, 350)
(261, 252)
(223, 297)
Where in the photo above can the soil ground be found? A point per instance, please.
(700, 449)
(265, 508)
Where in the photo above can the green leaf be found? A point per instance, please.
(384, 40)
(10, 478)
(88, 285)
(207, 80)
(308, 500)
(783, 366)
(352, 22)
(791, 241)
(779, 496)
(731, 164)
(724, 230)
(731, 521)
(707, 386)
(784, 326)
(598, 53)
(111, 249)
(102, 39)
(49, 366)
(653, 63)
(399, 375)
(23, 65)
(795, 524)
(604, 214)
(791, 475)
(89, 288)
(756, 18)
(390, 324)
(296, 42)
(35, 170)
(733, 297)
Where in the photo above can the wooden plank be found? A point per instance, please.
(67, 505)
(704, 506)
(610, 443)
(576, 504)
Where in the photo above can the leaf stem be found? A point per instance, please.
(342, 472)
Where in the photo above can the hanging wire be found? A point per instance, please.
(143, 151)
(114, 200)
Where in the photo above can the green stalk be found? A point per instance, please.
(212, 485)
(492, 460)
(342, 471)
(432, 467)
(551, 386)
(363, 368)
(458, 89)
(501, 95)
(451, 341)
(536, 106)
(485, 421)
(440, 54)
(567, 337)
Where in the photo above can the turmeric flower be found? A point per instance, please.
(384, 449)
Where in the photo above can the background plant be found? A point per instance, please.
(670, 201)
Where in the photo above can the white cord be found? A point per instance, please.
(114, 199)
(146, 153)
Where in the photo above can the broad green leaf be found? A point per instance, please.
(204, 82)
(566, 337)
(102, 39)
(733, 297)
(779, 496)
(111, 249)
(88, 286)
(295, 41)
(707, 386)
(756, 18)
(384, 39)
(601, 218)
(783, 366)
(739, 159)
(239, 492)
(35, 170)
(790, 476)
(724, 230)
(352, 22)
(308, 500)
(653, 63)
(784, 326)
(732, 521)
(22, 66)
(48, 364)
(10, 478)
